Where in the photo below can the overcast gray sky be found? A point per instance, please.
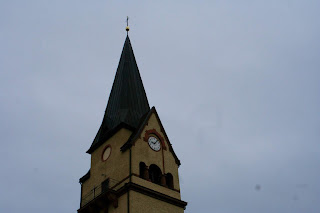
(236, 85)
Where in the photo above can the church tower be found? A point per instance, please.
(133, 166)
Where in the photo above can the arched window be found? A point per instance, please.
(142, 170)
(169, 180)
(155, 174)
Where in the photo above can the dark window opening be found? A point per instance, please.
(105, 185)
(155, 174)
(142, 170)
(169, 180)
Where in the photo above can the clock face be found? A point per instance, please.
(154, 143)
(106, 153)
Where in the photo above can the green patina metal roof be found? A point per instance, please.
(127, 101)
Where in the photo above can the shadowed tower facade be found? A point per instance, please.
(133, 166)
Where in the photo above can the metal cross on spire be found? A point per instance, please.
(127, 28)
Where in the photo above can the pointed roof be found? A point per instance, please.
(127, 101)
(137, 133)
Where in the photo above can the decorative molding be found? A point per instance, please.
(136, 175)
(108, 135)
(136, 134)
(151, 193)
(84, 177)
(112, 196)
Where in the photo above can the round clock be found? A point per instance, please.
(154, 143)
(106, 153)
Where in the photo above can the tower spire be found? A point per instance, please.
(128, 101)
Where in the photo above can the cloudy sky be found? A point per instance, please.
(236, 84)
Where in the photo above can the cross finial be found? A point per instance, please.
(127, 28)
